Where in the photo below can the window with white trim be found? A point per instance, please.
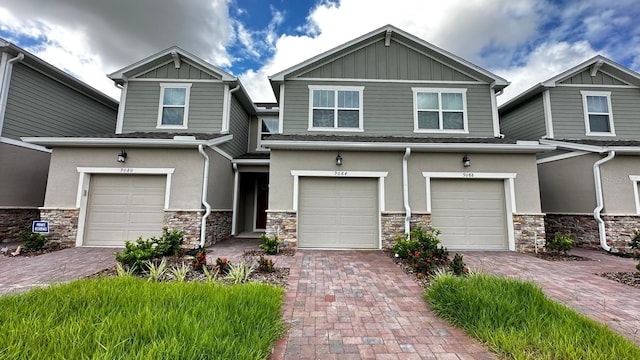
(267, 126)
(174, 106)
(440, 110)
(335, 108)
(598, 116)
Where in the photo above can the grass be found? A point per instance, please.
(516, 320)
(129, 318)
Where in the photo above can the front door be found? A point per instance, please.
(262, 201)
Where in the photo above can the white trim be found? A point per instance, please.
(548, 117)
(587, 127)
(221, 152)
(125, 170)
(251, 161)
(259, 146)
(422, 82)
(509, 193)
(441, 129)
(599, 86)
(225, 110)
(573, 146)
(494, 113)
(4, 88)
(336, 89)
(23, 144)
(634, 180)
(174, 80)
(82, 201)
(161, 105)
(281, 110)
(561, 157)
(71, 141)
(255, 208)
(234, 213)
(121, 107)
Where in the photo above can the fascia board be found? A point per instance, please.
(251, 161)
(97, 142)
(437, 147)
(574, 146)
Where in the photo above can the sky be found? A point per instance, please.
(523, 41)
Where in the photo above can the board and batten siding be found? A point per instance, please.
(585, 78)
(568, 112)
(169, 71)
(40, 106)
(387, 108)
(526, 122)
(239, 128)
(143, 101)
(377, 61)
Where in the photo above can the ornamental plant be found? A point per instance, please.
(270, 245)
(222, 266)
(265, 264)
(560, 243)
(457, 265)
(200, 259)
(33, 241)
(422, 250)
(135, 255)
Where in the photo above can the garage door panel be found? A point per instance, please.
(470, 213)
(338, 213)
(124, 207)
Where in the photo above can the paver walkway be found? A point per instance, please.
(18, 274)
(360, 305)
(575, 284)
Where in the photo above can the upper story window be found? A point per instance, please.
(598, 116)
(335, 108)
(267, 126)
(174, 106)
(440, 110)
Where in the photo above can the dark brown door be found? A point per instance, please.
(262, 200)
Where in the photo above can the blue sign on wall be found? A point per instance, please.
(40, 227)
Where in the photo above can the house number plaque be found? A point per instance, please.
(126, 170)
(467, 175)
(340, 173)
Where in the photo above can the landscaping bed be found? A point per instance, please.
(627, 278)
(552, 256)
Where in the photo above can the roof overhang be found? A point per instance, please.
(519, 147)
(251, 161)
(177, 142)
(592, 148)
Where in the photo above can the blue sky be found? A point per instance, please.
(524, 41)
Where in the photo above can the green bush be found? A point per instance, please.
(560, 243)
(422, 250)
(33, 241)
(270, 245)
(265, 265)
(457, 266)
(135, 255)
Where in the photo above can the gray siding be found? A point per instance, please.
(169, 71)
(239, 128)
(376, 61)
(388, 108)
(143, 99)
(40, 106)
(526, 122)
(586, 78)
(568, 113)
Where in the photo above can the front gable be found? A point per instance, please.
(187, 71)
(589, 77)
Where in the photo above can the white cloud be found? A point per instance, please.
(546, 61)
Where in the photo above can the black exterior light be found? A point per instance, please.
(122, 157)
(338, 160)
(466, 162)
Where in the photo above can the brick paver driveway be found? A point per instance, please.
(24, 273)
(575, 284)
(360, 305)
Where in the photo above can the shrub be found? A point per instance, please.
(635, 240)
(156, 272)
(33, 241)
(265, 265)
(457, 266)
(560, 242)
(239, 273)
(179, 272)
(222, 266)
(135, 255)
(200, 260)
(422, 250)
(270, 245)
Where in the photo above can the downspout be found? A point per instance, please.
(227, 120)
(4, 85)
(205, 185)
(599, 199)
(235, 200)
(405, 191)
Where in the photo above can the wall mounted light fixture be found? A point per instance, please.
(338, 160)
(466, 162)
(122, 157)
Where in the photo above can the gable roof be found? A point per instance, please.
(56, 74)
(387, 32)
(173, 53)
(596, 63)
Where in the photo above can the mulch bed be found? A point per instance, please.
(560, 257)
(627, 278)
(48, 248)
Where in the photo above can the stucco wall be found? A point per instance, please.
(220, 191)
(186, 182)
(566, 186)
(24, 176)
(617, 188)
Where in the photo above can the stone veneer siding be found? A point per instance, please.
(392, 225)
(15, 220)
(283, 224)
(619, 229)
(218, 226)
(527, 230)
(63, 225)
(189, 222)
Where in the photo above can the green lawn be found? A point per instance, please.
(516, 320)
(130, 318)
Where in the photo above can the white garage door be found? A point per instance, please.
(124, 207)
(470, 213)
(338, 213)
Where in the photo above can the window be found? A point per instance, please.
(597, 113)
(335, 108)
(268, 126)
(174, 106)
(440, 110)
